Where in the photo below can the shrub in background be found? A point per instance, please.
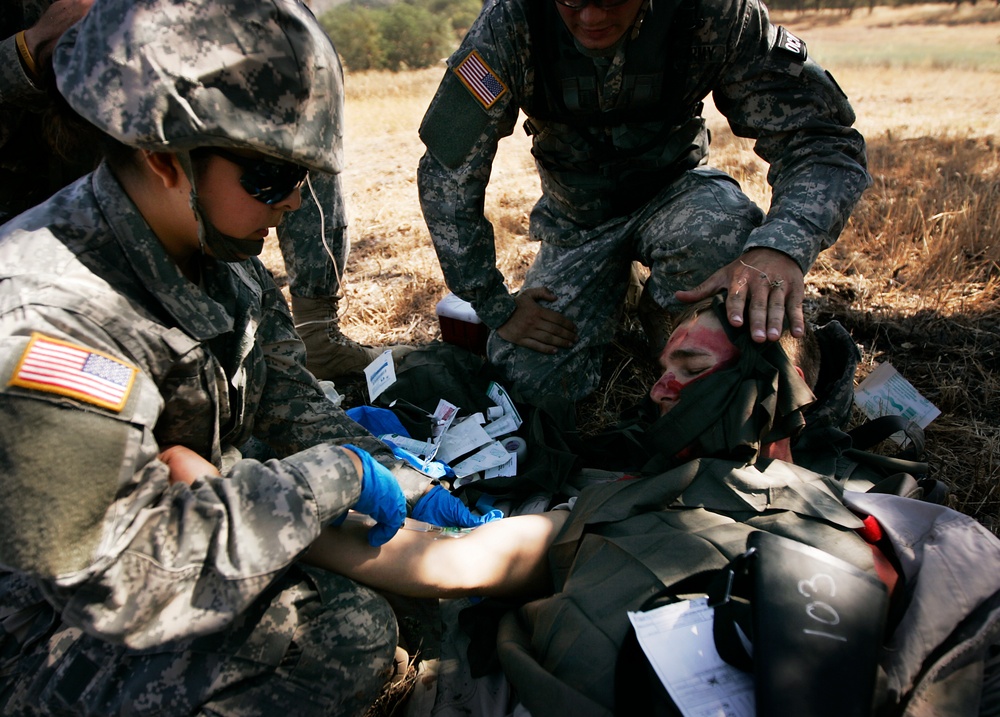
(357, 35)
(408, 34)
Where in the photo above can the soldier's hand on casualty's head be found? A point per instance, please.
(185, 465)
(764, 285)
(381, 498)
(535, 327)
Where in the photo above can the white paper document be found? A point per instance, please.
(493, 455)
(422, 449)
(461, 437)
(504, 470)
(380, 374)
(678, 643)
(502, 426)
(885, 392)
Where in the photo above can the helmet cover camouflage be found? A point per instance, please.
(172, 75)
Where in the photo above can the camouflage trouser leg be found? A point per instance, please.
(697, 227)
(311, 272)
(685, 233)
(315, 644)
(589, 282)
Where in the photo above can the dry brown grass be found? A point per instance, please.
(915, 277)
(917, 281)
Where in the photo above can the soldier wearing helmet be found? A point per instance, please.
(613, 92)
(34, 164)
(141, 341)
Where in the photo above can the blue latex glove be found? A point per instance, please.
(377, 420)
(381, 498)
(440, 507)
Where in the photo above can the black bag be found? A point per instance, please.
(442, 370)
(815, 624)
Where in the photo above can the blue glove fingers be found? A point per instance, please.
(381, 533)
(440, 507)
(381, 498)
(495, 514)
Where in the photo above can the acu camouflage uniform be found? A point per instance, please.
(620, 147)
(30, 171)
(121, 593)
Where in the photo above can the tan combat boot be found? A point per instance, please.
(329, 354)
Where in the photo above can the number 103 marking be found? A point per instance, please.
(821, 584)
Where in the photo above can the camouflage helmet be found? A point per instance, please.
(173, 75)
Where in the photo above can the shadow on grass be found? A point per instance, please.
(916, 280)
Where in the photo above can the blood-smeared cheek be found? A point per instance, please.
(694, 344)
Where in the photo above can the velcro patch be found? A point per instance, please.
(702, 53)
(791, 44)
(480, 79)
(66, 369)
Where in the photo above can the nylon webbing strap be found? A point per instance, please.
(872, 432)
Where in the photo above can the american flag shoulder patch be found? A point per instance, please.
(67, 369)
(480, 79)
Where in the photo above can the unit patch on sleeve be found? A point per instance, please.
(66, 369)
(480, 79)
(791, 44)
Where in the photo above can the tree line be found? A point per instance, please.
(412, 34)
(406, 34)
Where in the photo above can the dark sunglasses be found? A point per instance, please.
(266, 180)
(580, 4)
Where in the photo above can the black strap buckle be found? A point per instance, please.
(731, 578)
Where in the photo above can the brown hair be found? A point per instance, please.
(73, 139)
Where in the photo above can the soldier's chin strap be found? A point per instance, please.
(734, 411)
(221, 246)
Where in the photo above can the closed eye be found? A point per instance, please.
(693, 369)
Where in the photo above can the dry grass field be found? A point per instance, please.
(915, 277)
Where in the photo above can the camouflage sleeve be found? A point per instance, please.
(475, 105)
(801, 121)
(88, 509)
(293, 413)
(15, 86)
(16, 90)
